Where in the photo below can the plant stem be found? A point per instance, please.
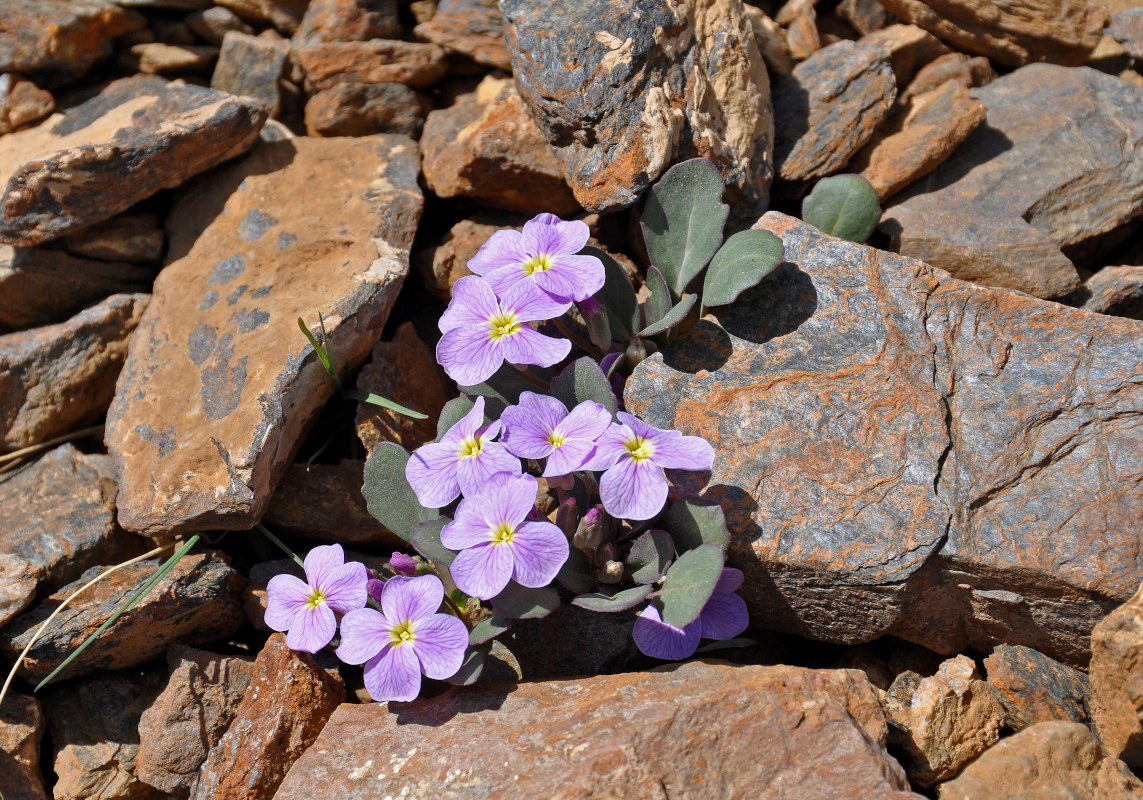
(576, 339)
(35, 448)
(262, 529)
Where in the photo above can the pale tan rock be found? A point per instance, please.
(376, 61)
(802, 35)
(17, 585)
(157, 58)
(1116, 674)
(21, 729)
(771, 40)
(22, 102)
(910, 48)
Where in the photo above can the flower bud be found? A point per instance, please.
(612, 572)
(638, 350)
(598, 326)
(566, 517)
(403, 564)
(589, 532)
(564, 482)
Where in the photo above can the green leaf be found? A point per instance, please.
(612, 603)
(659, 303)
(844, 206)
(319, 348)
(672, 317)
(649, 556)
(599, 329)
(452, 413)
(689, 584)
(745, 259)
(682, 221)
(469, 673)
(488, 629)
(575, 575)
(426, 538)
(507, 384)
(384, 402)
(582, 380)
(617, 296)
(521, 602)
(388, 494)
(693, 523)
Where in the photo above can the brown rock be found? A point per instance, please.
(377, 61)
(829, 107)
(771, 40)
(688, 729)
(198, 601)
(442, 265)
(324, 501)
(1113, 290)
(189, 716)
(951, 67)
(134, 237)
(1127, 28)
(251, 66)
(353, 109)
(472, 28)
(865, 16)
(157, 58)
(1048, 760)
(61, 377)
(17, 586)
(1117, 681)
(486, 147)
(1010, 32)
(1034, 688)
(981, 514)
(284, 15)
(288, 703)
(214, 23)
(910, 48)
(21, 729)
(218, 364)
(348, 21)
(802, 35)
(22, 102)
(137, 136)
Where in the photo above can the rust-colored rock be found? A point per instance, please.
(284, 15)
(1113, 290)
(1034, 688)
(802, 33)
(137, 136)
(288, 703)
(220, 386)
(17, 586)
(378, 61)
(443, 264)
(354, 109)
(951, 67)
(252, 66)
(132, 237)
(61, 377)
(324, 501)
(865, 16)
(682, 731)
(22, 102)
(910, 49)
(899, 452)
(486, 147)
(1116, 673)
(158, 58)
(214, 23)
(472, 28)
(348, 21)
(21, 729)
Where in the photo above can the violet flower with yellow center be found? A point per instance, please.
(305, 609)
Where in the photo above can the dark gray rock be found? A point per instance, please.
(1034, 688)
(1113, 290)
(355, 109)
(1126, 27)
(251, 66)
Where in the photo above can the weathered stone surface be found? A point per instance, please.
(61, 377)
(325, 502)
(189, 716)
(137, 136)
(1127, 28)
(623, 88)
(1054, 166)
(252, 66)
(486, 147)
(829, 107)
(198, 601)
(94, 726)
(1010, 32)
(214, 23)
(1034, 688)
(288, 703)
(771, 41)
(353, 109)
(443, 264)
(910, 48)
(472, 28)
(1117, 681)
(899, 452)
(951, 67)
(377, 61)
(865, 16)
(17, 586)
(348, 21)
(1117, 291)
(158, 58)
(284, 15)
(802, 33)
(681, 731)
(132, 237)
(21, 729)
(22, 102)
(220, 386)
(1049, 760)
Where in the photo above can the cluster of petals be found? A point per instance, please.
(305, 609)
(541, 427)
(723, 617)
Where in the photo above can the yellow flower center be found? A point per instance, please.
(639, 448)
(540, 263)
(556, 439)
(470, 447)
(402, 634)
(503, 533)
(316, 598)
(501, 325)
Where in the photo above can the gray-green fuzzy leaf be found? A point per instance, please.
(388, 494)
(617, 296)
(521, 602)
(673, 317)
(689, 584)
(427, 540)
(582, 380)
(613, 603)
(745, 259)
(649, 556)
(693, 523)
(844, 206)
(659, 302)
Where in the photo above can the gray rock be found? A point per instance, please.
(1126, 27)
(251, 66)
(1034, 688)
(17, 586)
(214, 23)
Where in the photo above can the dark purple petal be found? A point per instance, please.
(723, 617)
(440, 642)
(393, 674)
(633, 490)
(407, 599)
(363, 633)
(474, 472)
(286, 597)
(321, 562)
(657, 639)
(503, 249)
(482, 571)
(313, 629)
(473, 302)
(431, 471)
(539, 549)
(469, 355)
(403, 564)
(528, 346)
(344, 588)
(728, 581)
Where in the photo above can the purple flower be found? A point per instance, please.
(305, 609)
(481, 332)
(634, 454)
(541, 427)
(497, 543)
(462, 461)
(723, 617)
(405, 639)
(542, 256)
(403, 564)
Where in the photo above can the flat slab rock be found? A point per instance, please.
(677, 731)
(1054, 165)
(220, 385)
(472, 28)
(900, 452)
(137, 136)
(1117, 681)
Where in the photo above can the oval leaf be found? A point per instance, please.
(658, 303)
(844, 206)
(693, 523)
(649, 557)
(672, 317)
(472, 666)
(689, 584)
(617, 296)
(520, 602)
(745, 259)
(388, 494)
(488, 629)
(507, 383)
(426, 539)
(582, 380)
(612, 603)
(453, 411)
(575, 575)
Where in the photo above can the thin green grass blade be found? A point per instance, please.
(384, 402)
(320, 349)
(262, 529)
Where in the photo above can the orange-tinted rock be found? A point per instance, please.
(21, 729)
(472, 28)
(377, 61)
(486, 147)
(1113, 290)
(682, 731)
(802, 34)
(220, 385)
(1034, 688)
(899, 452)
(354, 109)
(442, 265)
(137, 136)
(771, 41)
(1116, 672)
(348, 21)
(158, 58)
(214, 23)
(17, 586)
(865, 16)
(61, 377)
(324, 502)
(284, 15)
(288, 703)
(951, 67)
(910, 49)
(252, 66)
(22, 102)
(133, 237)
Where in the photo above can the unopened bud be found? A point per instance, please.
(598, 326)
(638, 350)
(612, 572)
(403, 564)
(589, 532)
(566, 517)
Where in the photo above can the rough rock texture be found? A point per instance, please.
(910, 48)
(771, 41)
(348, 21)
(21, 729)
(951, 67)
(443, 264)
(131, 237)
(189, 716)
(1113, 290)
(157, 58)
(1010, 32)
(472, 28)
(1127, 28)
(284, 15)
(1034, 688)
(486, 147)
(377, 61)
(1047, 761)
(829, 107)
(352, 109)
(654, 83)
(220, 386)
(899, 452)
(61, 377)
(22, 102)
(288, 703)
(679, 731)
(1056, 164)
(325, 502)
(198, 601)
(1117, 681)
(17, 586)
(251, 66)
(214, 23)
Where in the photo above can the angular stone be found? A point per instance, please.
(377, 61)
(17, 586)
(829, 107)
(134, 237)
(251, 66)
(61, 377)
(951, 67)
(189, 716)
(1034, 688)
(21, 729)
(288, 703)
(899, 452)
(865, 16)
(198, 601)
(22, 102)
(472, 28)
(771, 41)
(1117, 681)
(214, 23)
(1048, 760)
(1054, 166)
(284, 15)
(690, 729)
(802, 34)
(1010, 32)
(157, 58)
(137, 136)
(353, 109)
(910, 48)
(486, 147)
(1127, 28)
(443, 264)
(324, 502)
(220, 386)
(348, 21)
(623, 88)
(1113, 290)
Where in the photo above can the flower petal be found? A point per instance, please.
(572, 277)
(345, 589)
(503, 249)
(474, 473)
(609, 448)
(469, 355)
(468, 425)
(440, 644)
(728, 581)
(322, 562)
(589, 420)
(393, 674)
(633, 490)
(544, 235)
(723, 617)
(539, 549)
(529, 346)
(568, 457)
(431, 471)
(530, 304)
(406, 599)
(363, 633)
(473, 302)
(470, 525)
(286, 597)
(657, 639)
(528, 425)
(482, 571)
(681, 452)
(313, 629)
